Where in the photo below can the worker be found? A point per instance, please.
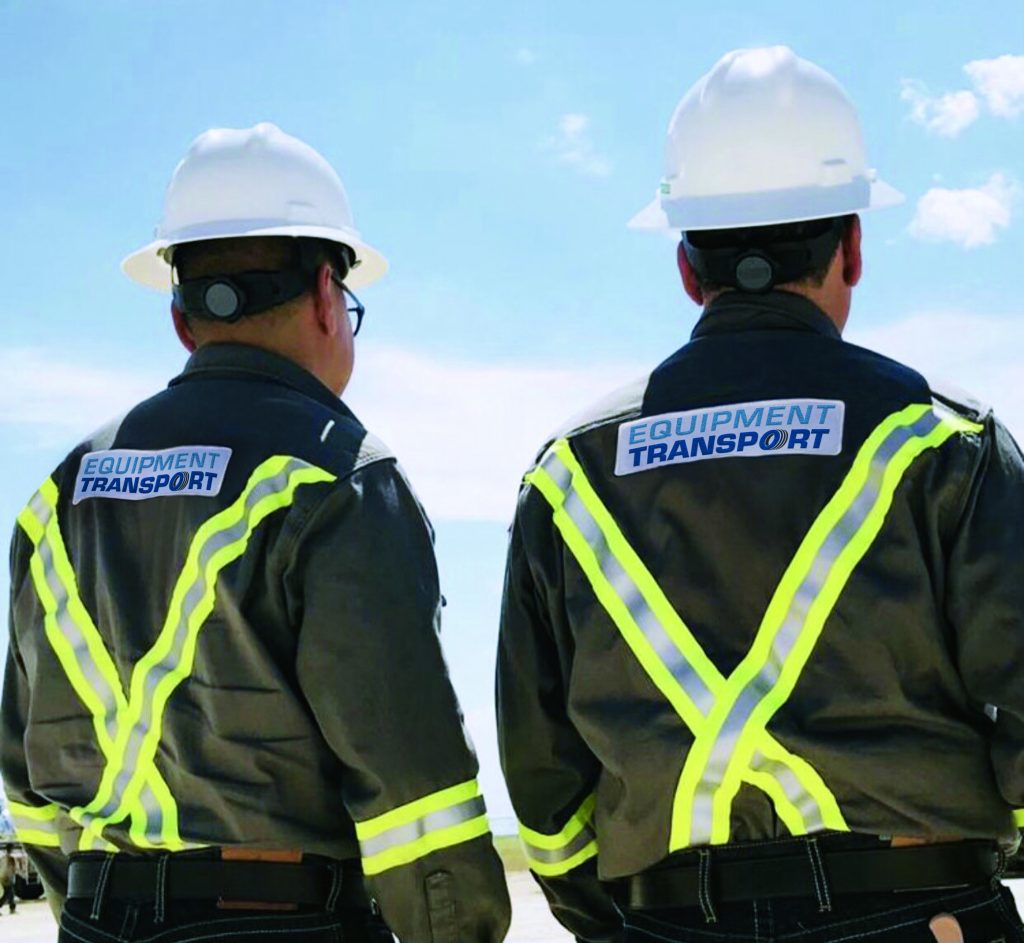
(759, 663)
(8, 874)
(225, 700)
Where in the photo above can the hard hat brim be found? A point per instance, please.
(148, 267)
(659, 218)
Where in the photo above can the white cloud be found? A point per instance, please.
(525, 57)
(946, 115)
(572, 146)
(1000, 82)
(970, 217)
(60, 397)
(466, 431)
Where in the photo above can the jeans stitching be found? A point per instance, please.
(233, 933)
(887, 927)
(757, 933)
(814, 875)
(824, 876)
(669, 939)
(197, 924)
(86, 927)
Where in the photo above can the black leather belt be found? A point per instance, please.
(860, 871)
(204, 879)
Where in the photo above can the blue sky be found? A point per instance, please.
(494, 152)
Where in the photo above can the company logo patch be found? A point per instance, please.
(133, 475)
(743, 430)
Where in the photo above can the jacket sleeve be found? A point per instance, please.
(550, 771)
(985, 600)
(35, 820)
(371, 666)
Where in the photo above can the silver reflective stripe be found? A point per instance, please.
(802, 800)
(555, 467)
(557, 855)
(415, 830)
(73, 635)
(632, 598)
(215, 542)
(796, 616)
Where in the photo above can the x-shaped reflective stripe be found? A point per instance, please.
(728, 717)
(130, 776)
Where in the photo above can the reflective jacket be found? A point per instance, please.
(224, 632)
(776, 588)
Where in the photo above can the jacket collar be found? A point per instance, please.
(734, 311)
(241, 361)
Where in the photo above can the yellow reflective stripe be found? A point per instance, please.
(572, 828)
(402, 835)
(550, 855)
(558, 868)
(48, 535)
(1018, 817)
(655, 598)
(418, 809)
(432, 841)
(197, 574)
(788, 813)
(35, 825)
(609, 599)
(823, 604)
(43, 813)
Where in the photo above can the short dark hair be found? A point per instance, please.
(764, 237)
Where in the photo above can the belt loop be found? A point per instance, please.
(160, 908)
(820, 878)
(101, 887)
(332, 894)
(704, 885)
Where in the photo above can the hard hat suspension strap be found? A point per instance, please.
(756, 267)
(227, 298)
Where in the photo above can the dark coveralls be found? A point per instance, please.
(224, 638)
(767, 602)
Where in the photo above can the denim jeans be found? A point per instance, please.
(204, 923)
(987, 914)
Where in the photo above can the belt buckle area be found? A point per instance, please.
(258, 854)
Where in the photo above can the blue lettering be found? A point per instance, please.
(678, 450)
(100, 484)
(181, 460)
(726, 443)
(774, 416)
(211, 477)
(679, 425)
(799, 437)
(702, 445)
(90, 465)
(659, 451)
(745, 420)
(796, 415)
(636, 453)
(636, 434)
(127, 464)
(146, 485)
(195, 481)
(163, 463)
(720, 418)
(85, 484)
(746, 438)
(818, 434)
(129, 485)
(161, 482)
(823, 411)
(147, 462)
(661, 429)
(106, 465)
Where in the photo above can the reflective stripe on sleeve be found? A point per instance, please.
(405, 834)
(1018, 818)
(35, 825)
(553, 855)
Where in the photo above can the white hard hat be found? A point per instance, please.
(765, 137)
(252, 182)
